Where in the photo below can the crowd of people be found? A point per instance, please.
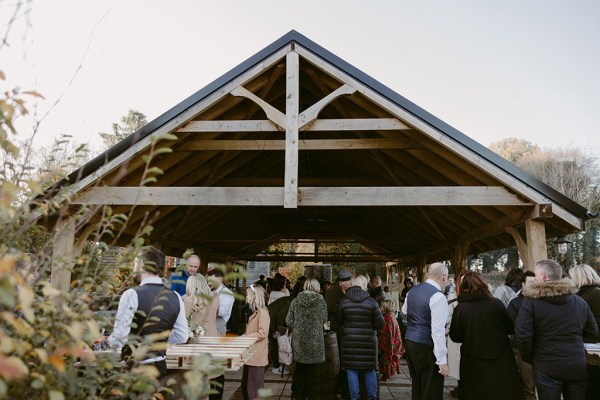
(523, 339)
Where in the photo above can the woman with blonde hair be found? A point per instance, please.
(307, 314)
(201, 307)
(360, 318)
(588, 283)
(253, 375)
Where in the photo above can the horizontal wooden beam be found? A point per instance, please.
(359, 124)
(316, 258)
(408, 196)
(230, 126)
(312, 144)
(307, 196)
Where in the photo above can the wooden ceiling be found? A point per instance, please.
(370, 170)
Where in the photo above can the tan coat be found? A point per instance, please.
(258, 327)
(206, 316)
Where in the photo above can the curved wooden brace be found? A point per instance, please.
(312, 113)
(273, 114)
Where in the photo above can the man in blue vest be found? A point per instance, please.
(148, 309)
(426, 309)
(179, 278)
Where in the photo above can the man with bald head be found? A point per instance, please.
(179, 278)
(426, 309)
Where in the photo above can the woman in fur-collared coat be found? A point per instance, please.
(480, 322)
(307, 314)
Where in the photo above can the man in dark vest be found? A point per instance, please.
(149, 309)
(426, 309)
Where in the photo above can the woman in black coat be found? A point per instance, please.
(360, 317)
(481, 323)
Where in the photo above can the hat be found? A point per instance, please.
(344, 275)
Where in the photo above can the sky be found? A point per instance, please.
(492, 69)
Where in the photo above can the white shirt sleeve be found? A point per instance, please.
(180, 333)
(405, 306)
(128, 304)
(439, 315)
(226, 300)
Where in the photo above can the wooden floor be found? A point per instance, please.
(398, 387)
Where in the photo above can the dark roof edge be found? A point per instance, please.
(293, 36)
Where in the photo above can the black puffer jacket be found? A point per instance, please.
(591, 295)
(550, 327)
(360, 318)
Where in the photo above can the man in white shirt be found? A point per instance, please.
(152, 307)
(226, 300)
(426, 309)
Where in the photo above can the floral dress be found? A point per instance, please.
(390, 348)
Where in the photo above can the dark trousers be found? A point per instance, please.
(593, 387)
(526, 371)
(427, 383)
(273, 351)
(303, 381)
(253, 379)
(220, 383)
(549, 388)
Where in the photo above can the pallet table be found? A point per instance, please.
(233, 351)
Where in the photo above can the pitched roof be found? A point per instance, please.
(442, 142)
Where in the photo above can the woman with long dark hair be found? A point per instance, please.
(481, 323)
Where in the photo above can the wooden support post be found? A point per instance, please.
(388, 275)
(63, 253)
(401, 271)
(203, 270)
(290, 193)
(521, 247)
(536, 241)
(459, 258)
(422, 269)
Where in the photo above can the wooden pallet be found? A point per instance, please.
(233, 351)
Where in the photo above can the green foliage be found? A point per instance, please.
(130, 123)
(46, 334)
(294, 270)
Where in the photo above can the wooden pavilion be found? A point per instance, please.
(295, 144)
